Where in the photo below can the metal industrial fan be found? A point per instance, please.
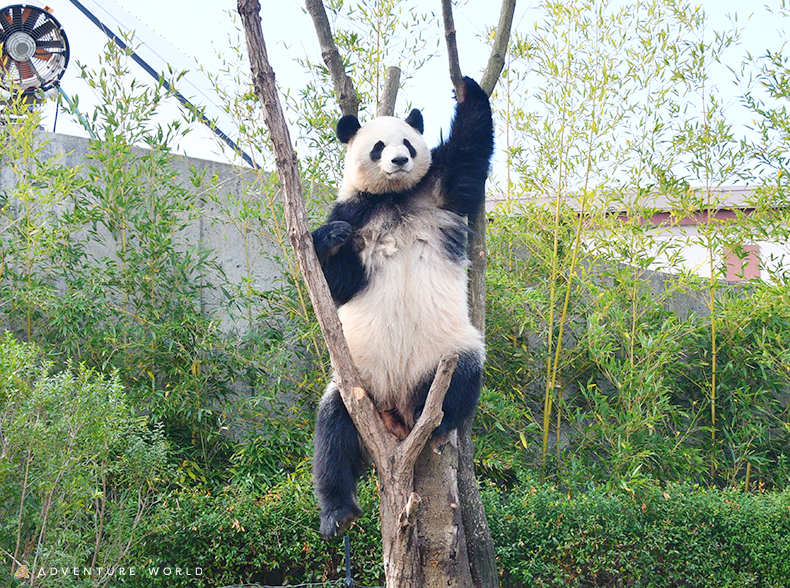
(35, 50)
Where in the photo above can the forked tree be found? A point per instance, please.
(421, 546)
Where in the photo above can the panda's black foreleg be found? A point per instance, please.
(338, 461)
(330, 237)
(342, 267)
(462, 394)
(463, 160)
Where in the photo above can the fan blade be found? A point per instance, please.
(44, 29)
(46, 49)
(14, 18)
(25, 16)
(17, 18)
(25, 70)
(51, 44)
(33, 71)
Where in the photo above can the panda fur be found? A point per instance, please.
(393, 251)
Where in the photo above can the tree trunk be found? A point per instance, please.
(344, 85)
(477, 270)
(442, 539)
(398, 511)
(390, 94)
(479, 544)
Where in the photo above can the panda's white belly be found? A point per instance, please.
(413, 310)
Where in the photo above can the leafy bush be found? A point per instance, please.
(657, 538)
(99, 266)
(78, 470)
(681, 535)
(636, 377)
(239, 535)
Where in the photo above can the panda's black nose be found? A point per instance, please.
(400, 161)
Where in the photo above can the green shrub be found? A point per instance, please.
(239, 535)
(656, 538)
(78, 470)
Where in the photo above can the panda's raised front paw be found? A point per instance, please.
(330, 237)
(470, 91)
(335, 522)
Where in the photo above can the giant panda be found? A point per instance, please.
(393, 251)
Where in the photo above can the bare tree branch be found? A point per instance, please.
(432, 414)
(452, 50)
(391, 85)
(344, 86)
(496, 61)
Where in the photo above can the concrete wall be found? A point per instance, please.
(241, 253)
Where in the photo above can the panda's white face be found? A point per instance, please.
(385, 155)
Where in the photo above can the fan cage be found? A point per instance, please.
(35, 49)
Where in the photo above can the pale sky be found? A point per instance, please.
(186, 32)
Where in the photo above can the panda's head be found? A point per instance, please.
(385, 155)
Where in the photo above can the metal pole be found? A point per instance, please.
(348, 580)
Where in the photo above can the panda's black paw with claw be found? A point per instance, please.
(335, 522)
(330, 237)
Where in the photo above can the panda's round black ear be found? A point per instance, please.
(415, 120)
(347, 127)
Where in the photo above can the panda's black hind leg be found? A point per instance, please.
(462, 394)
(338, 462)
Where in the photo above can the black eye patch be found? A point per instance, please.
(375, 153)
(410, 147)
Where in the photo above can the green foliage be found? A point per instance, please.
(239, 536)
(33, 243)
(657, 538)
(633, 394)
(617, 373)
(681, 535)
(78, 470)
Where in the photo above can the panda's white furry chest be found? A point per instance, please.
(414, 307)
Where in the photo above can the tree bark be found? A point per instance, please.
(403, 547)
(400, 503)
(479, 544)
(456, 77)
(344, 85)
(391, 85)
(444, 548)
(496, 61)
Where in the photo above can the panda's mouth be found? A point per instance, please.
(397, 175)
